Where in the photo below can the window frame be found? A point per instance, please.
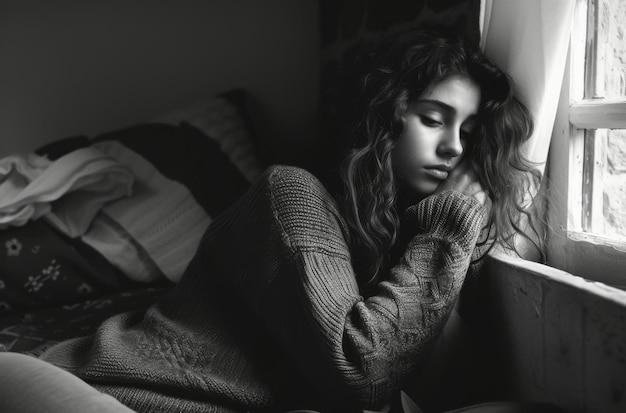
(569, 248)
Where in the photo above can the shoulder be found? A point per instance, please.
(294, 182)
(309, 217)
(290, 174)
(294, 188)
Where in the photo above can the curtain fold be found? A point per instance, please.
(529, 40)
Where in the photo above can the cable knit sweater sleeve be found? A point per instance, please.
(271, 288)
(363, 346)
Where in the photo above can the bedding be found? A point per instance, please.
(56, 285)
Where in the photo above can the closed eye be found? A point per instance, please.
(428, 121)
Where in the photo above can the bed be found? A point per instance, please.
(57, 284)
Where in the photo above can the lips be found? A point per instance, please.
(438, 172)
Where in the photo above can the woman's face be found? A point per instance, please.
(437, 128)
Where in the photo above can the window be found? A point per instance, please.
(587, 165)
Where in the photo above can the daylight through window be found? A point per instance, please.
(598, 116)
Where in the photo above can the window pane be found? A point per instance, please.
(604, 190)
(606, 50)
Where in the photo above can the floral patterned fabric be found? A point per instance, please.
(53, 288)
(39, 268)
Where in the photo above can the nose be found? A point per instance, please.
(450, 144)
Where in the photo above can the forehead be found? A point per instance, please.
(459, 92)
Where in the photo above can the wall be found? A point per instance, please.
(555, 337)
(74, 67)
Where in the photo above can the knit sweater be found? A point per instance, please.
(269, 309)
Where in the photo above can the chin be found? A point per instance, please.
(424, 190)
(416, 195)
(418, 188)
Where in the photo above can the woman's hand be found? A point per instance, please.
(463, 179)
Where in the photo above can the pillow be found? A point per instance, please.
(223, 118)
(208, 146)
(189, 165)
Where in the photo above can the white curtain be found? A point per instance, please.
(529, 39)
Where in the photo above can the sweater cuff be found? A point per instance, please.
(452, 215)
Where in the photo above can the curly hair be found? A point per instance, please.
(397, 75)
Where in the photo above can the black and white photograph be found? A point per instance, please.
(313, 206)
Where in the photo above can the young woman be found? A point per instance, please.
(311, 296)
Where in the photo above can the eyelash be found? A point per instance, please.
(430, 121)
